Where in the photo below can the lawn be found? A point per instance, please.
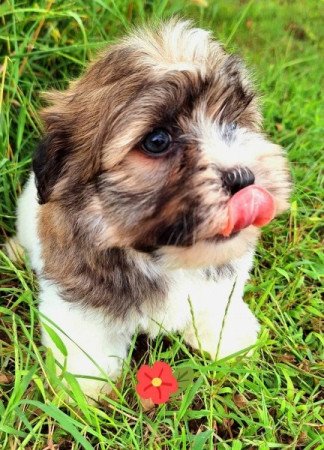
(271, 400)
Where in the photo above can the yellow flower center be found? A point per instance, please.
(156, 382)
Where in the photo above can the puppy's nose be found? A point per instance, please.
(236, 179)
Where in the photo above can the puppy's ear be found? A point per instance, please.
(49, 161)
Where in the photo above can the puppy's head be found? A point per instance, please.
(147, 148)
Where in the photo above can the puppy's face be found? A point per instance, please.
(147, 148)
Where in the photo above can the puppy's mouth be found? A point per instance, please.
(252, 205)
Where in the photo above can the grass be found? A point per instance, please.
(273, 399)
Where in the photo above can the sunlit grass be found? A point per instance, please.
(271, 400)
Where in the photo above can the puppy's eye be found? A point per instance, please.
(156, 142)
(232, 126)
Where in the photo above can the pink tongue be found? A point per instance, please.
(252, 205)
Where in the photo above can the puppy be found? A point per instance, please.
(142, 208)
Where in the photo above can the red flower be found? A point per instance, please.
(156, 382)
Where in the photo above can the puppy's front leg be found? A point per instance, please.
(93, 348)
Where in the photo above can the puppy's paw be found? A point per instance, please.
(235, 340)
(14, 250)
(67, 387)
(238, 331)
(94, 384)
(95, 389)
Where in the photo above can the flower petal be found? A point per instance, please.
(144, 373)
(160, 395)
(172, 386)
(145, 391)
(162, 369)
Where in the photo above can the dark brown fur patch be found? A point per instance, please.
(111, 279)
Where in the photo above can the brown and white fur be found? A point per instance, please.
(122, 240)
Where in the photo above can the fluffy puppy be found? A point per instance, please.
(124, 213)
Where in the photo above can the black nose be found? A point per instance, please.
(236, 179)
